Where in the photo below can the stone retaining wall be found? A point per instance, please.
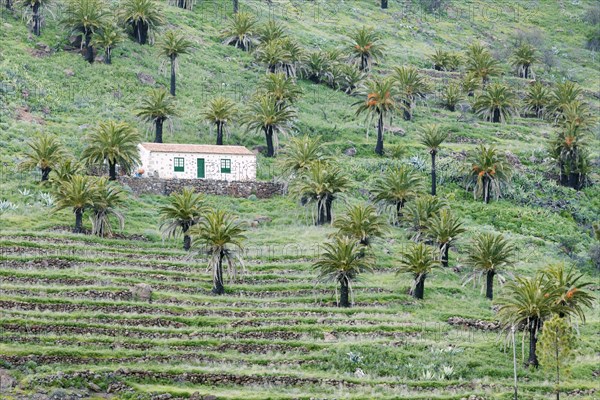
(262, 190)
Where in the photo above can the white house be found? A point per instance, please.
(197, 161)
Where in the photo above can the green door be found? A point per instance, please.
(201, 168)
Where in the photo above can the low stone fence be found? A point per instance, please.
(262, 190)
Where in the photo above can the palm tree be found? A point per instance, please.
(342, 261)
(281, 87)
(564, 94)
(172, 46)
(420, 211)
(321, 184)
(142, 16)
(418, 260)
(443, 228)
(439, 60)
(182, 211)
(78, 193)
(496, 104)
(384, 4)
(157, 107)
(220, 111)
(185, 4)
(272, 30)
(236, 6)
(273, 54)
(488, 171)
(365, 47)
(470, 84)
(114, 143)
(220, 235)
(378, 101)
(396, 187)
(240, 31)
(300, 153)
(65, 170)
(34, 7)
(361, 223)
(267, 114)
(481, 63)
(85, 17)
(537, 99)
(411, 86)
(490, 254)
(522, 59)
(432, 137)
(107, 38)
(106, 198)
(319, 67)
(45, 152)
(348, 78)
(573, 295)
(451, 96)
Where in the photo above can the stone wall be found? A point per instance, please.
(262, 190)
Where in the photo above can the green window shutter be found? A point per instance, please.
(225, 166)
(179, 164)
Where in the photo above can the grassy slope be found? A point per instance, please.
(68, 105)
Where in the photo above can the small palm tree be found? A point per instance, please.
(496, 104)
(78, 194)
(365, 47)
(481, 63)
(295, 57)
(418, 260)
(432, 136)
(185, 4)
(142, 16)
(523, 59)
(396, 187)
(266, 114)
(445, 61)
(378, 102)
(108, 38)
(568, 149)
(470, 84)
(114, 143)
(85, 17)
(537, 99)
(107, 197)
(300, 153)
(172, 46)
(35, 6)
(564, 94)
(320, 185)
(182, 211)
(45, 152)
(420, 211)
(319, 68)
(65, 170)
(489, 255)
(273, 55)
(281, 87)
(348, 78)
(443, 228)
(451, 96)
(221, 236)
(361, 223)
(343, 260)
(157, 107)
(272, 30)
(573, 295)
(411, 86)
(488, 171)
(220, 112)
(240, 31)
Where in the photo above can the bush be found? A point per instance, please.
(592, 16)
(593, 39)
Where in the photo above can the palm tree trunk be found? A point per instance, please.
(564, 178)
(187, 240)
(158, 138)
(384, 4)
(533, 327)
(173, 83)
(363, 62)
(526, 72)
(78, 221)
(112, 171)
(35, 8)
(489, 284)
(379, 146)
(433, 174)
(45, 173)
(219, 133)
(9, 5)
(218, 287)
(419, 287)
(89, 50)
(399, 207)
(496, 116)
(140, 30)
(321, 212)
(445, 254)
(344, 293)
(269, 136)
(107, 56)
(328, 205)
(486, 190)
(236, 6)
(407, 106)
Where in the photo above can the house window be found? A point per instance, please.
(225, 166)
(178, 163)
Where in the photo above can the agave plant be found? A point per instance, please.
(496, 104)
(241, 31)
(365, 47)
(488, 171)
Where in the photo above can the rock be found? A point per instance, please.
(210, 397)
(329, 337)
(195, 396)
(359, 373)
(350, 152)
(395, 130)
(69, 72)
(142, 291)
(43, 47)
(146, 79)
(513, 159)
(99, 59)
(262, 220)
(94, 387)
(6, 380)
(259, 149)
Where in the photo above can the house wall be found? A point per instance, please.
(161, 165)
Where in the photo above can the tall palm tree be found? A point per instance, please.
(432, 137)
(45, 152)
(172, 46)
(378, 102)
(496, 104)
(220, 235)
(365, 47)
(182, 211)
(300, 153)
(107, 197)
(78, 194)
(114, 143)
(361, 223)
(411, 86)
(220, 112)
(157, 107)
(107, 38)
(419, 212)
(489, 255)
(396, 187)
(320, 185)
(85, 17)
(267, 114)
(418, 260)
(536, 99)
(241, 31)
(481, 63)
(488, 171)
(523, 59)
(35, 6)
(572, 293)
(443, 228)
(142, 16)
(343, 260)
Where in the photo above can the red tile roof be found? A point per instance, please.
(196, 148)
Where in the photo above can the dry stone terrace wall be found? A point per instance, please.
(262, 190)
